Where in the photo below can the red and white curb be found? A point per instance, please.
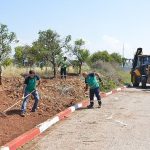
(31, 134)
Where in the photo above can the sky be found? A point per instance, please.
(114, 25)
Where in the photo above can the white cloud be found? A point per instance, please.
(113, 44)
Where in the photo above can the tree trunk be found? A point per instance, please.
(80, 68)
(0, 75)
(54, 66)
(54, 70)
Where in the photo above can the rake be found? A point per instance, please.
(4, 112)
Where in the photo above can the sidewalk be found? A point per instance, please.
(121, 124)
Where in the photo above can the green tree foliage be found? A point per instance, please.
(19, 55)
(115, 57)
(41, 54)
(25, 55)
(7, 62)
(105, 57)
(80, 53)
(6, 38)
(123, 60)
(100, 55)
(49, 46)
(32, 55)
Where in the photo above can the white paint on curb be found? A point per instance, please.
(4, 148)
(72, 108)
(43, 126)
(109, 93)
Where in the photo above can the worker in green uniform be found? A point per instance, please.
(93, 80)
(30, 88)
(63, 70)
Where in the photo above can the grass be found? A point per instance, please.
(12, 71)
(112, 76)
(125, 75)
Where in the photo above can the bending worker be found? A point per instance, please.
(93, 83)
(30, 85)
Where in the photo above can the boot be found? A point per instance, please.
(91, 105)
(99, 103)
(22, 114)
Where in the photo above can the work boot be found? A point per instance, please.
(33, 110)
(91, 105)
(22, 114)
(99, 103)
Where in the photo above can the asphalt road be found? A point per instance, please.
(123, 123)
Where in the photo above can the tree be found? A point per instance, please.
(18, 57)
(6, 38)
(7, 62)
(25, 55)
(100, 55)
(80, 53)
(115, 57)
(123, 61)
(50, 46)
(31, 54)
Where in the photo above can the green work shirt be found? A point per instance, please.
(31, 83)
(92, 81)
(64, 64)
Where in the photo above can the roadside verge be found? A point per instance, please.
(31, 134)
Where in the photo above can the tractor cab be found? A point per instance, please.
(140, 72)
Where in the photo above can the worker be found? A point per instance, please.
(63, 70)
(93, 80)
(32, 81)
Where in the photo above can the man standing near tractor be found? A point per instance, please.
(32, 81)
(94, 84)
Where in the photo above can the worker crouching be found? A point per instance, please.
(92, 80)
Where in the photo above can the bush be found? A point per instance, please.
(113, 75)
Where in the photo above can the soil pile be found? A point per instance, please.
(56, 95)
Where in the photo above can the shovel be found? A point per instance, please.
(4, 112)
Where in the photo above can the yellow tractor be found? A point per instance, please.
(140, 72)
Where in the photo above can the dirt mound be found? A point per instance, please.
(56, 95)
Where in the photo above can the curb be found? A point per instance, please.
(31, 134)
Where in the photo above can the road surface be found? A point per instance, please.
(123, 123)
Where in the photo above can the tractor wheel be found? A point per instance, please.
(134, 81)
(144, 83)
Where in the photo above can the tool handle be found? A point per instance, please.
(28, 94)
(17, 102)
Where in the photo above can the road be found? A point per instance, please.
(123, 123)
